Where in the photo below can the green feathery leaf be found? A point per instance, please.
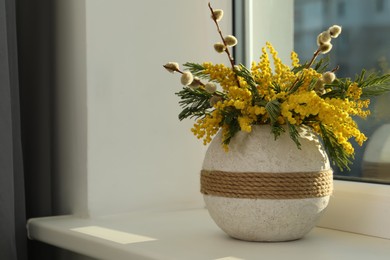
(243, 72)
(334, 149)
(338, 88)
(276, 87)
(294, 134)
(296, 86)
(322, 65)
(277, 129)
(273, 110)
(373, 84)
(247, 76)
(230, 119)
(195, 103)
(299, 68)
(196, 69)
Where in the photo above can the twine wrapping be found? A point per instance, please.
(252, 185)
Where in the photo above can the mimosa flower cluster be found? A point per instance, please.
(286, 97)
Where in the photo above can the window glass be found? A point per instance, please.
(364, 43)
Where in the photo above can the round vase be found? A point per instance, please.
(264, 189)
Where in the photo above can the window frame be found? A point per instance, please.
(356, 207)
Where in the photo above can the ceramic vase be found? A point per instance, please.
(264, 189)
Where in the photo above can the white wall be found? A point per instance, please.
(272, 20)
(120, 146)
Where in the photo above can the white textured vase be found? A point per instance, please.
(255, 219)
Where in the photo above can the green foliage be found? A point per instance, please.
(335, 150)
(322, 65)
(338, 89)
(373, 84)
(247, 76)
(296, 86)
(299, 68)
(294, 134)
(243, 72)
(196, 70)
(277, 130)
(273, 110)
(195, 103)
(230, 119)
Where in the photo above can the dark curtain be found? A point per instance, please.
(12, 193)
(35, 34)
(36, 74)
(26, 83)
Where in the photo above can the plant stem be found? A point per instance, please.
(231, 60)
(181, 72)
(335, 69)
(220, 34)
(315, 55)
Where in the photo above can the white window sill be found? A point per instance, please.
(191, 234)
(358, 207)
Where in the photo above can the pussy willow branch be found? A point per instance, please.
(315, 55)
(224, 42)
(181, 72)
(335, 69)
(220, 34)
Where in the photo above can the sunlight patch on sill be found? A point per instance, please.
(112, 235)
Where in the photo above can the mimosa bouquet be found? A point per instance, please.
(306, 94)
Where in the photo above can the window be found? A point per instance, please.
(358, 207)
(379, 4)
(341, 9)
(364, 43)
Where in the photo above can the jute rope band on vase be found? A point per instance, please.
(261, 185)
